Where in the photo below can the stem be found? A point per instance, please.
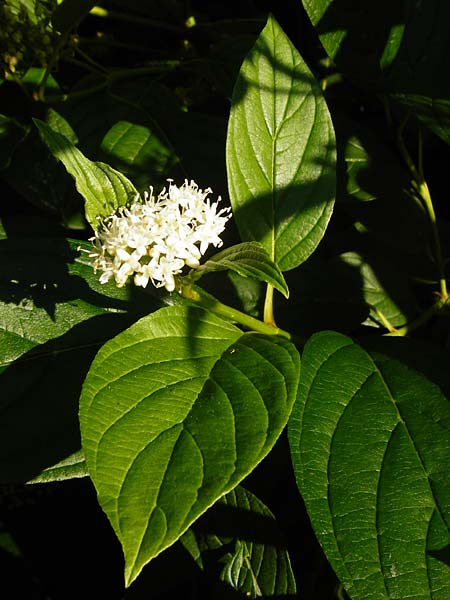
(385, 321)
(206, 301)
(424, 193)
(340, 592)
(421, 320)
(269, 317)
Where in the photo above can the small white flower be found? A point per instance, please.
(155, 239)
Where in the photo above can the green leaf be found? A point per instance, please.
(248, 259)
(434, 113)
(102, 188)
(370, 442)
(280, 151)
(34, 76)
(174, 412)
(136, 149)
(385, 290)
(73, 466)
(258, 563)
(60, 125)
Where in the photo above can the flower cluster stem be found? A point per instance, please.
(210, 303)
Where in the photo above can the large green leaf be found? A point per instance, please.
(280, 151)
(174, 412)
(103, 188)
(370, 441)
(240, 533)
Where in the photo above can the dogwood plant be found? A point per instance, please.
(179, 402)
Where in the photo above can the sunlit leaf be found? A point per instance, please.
(370, 442)
(280, 151)
(181, 405)
(73, 466)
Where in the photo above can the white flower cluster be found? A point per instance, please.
(153, 239)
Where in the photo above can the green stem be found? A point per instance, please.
(385, 321)
(421, 320)
(209, 302)
(424, 193)
(340, 592)
(269, 317)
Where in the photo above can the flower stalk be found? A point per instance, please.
(210, 303)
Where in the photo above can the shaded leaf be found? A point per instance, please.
(248, 259)
(47, 184)
(280, 151)
(364, 153)
(325, 294)
(102, 188)
(54, 315)
(136, 149)
(385, 290)
(370, 441)
(394, 46)
(240, 531)
(11, 135)
(434, 113)
(145, 102)
(182, 404)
